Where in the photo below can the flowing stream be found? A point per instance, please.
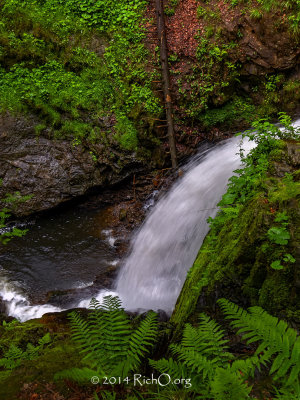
(162, 250)
(57, 261)
(167, 244)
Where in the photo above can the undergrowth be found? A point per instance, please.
(252, 176)
(74, 64)
(202, 364)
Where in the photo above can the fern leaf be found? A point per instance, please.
(275, 336)
(81, 375)
(195, 361)
(173, 368)
(207, 339)
(294, 375)
(227, 385)
(46, 339)
(143, 337)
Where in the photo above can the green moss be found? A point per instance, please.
(58, 355)
(62, 355)
(238, 253)
(20, 334)
(238, 110)
(71, 63)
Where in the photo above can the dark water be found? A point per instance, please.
(64, 251)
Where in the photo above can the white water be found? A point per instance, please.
(168, 242)
(18, 306)
(165, 247)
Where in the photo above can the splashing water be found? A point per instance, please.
(168, 242)
(17, 305)
(166, 245)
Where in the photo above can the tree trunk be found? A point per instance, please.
(166, 78)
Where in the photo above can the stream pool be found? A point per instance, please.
(62, 251)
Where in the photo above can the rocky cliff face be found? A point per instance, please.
(54, 171)
(232, 62)
(228, 64)
(266, 44)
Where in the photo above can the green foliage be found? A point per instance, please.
(279, 344)
(170, 7)
(213, 74)
(237, 251)
(242, 187)
(277, 265)
(287, 7)
(278, 235)
(250, 178)
(14, 356)
(201, 12)
(6, 232)
(203, 357)
(52, 66)
(216, 373)
(110, 345)
(238, 109)
(255, 13)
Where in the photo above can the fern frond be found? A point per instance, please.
(246, 366)
(143, 338)
(107, 334)
(81, 375)
(107, 340)
(173, 368)
(12, 358)
(275, 337)
(46, 339)
(291, 393)
(213, 342)
(110, 334)
(227, 385)
(81, 333)
(31, 351)
(194, 361)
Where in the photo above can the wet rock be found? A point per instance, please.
(59, 321)
(266, 48)
(293, 149)
(122, 214)
(52, 171)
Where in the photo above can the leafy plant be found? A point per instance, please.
(242, 187)
(278, 344)
(8, 232)
(109, 344)
(50, 70)
(277, 265)
(14, 356)
(278, 235)
(255, 13)
(203, 355)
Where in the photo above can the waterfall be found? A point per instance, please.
(167, 244)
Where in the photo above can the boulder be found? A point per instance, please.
(54, 171)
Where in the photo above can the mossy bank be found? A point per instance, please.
(80, 86)
(76, 105)
(252, 252)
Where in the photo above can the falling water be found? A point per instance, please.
(167, 244)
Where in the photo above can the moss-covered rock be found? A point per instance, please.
(58, 355)
(236, 262)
